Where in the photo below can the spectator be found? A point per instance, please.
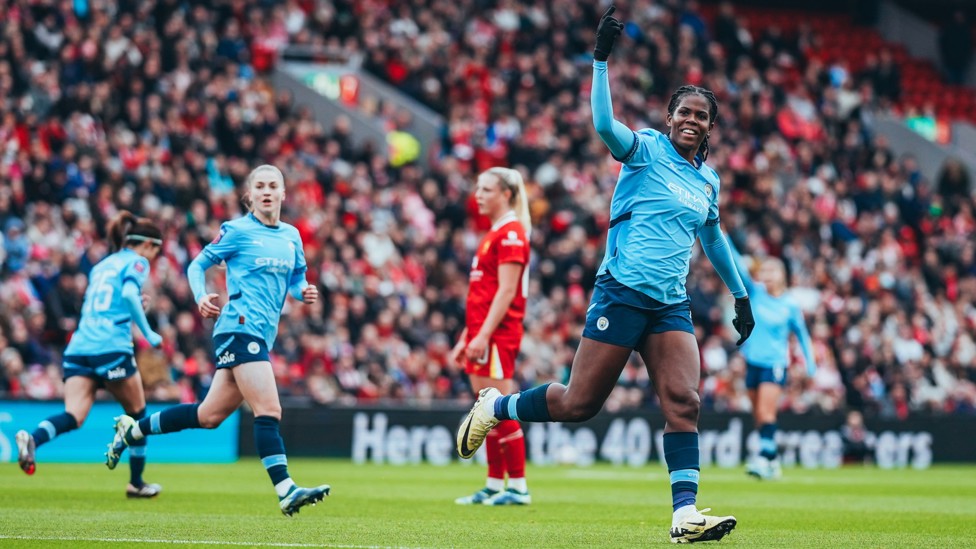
(956, 47)
(170, 132)
(856, 438)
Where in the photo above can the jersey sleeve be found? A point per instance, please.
(713, 217)
(136, 272)
(224, 246)
(512, 246)
(647, 147)
(298, 273)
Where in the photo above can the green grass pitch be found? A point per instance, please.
(233, 505)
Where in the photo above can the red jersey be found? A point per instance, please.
(506, 242)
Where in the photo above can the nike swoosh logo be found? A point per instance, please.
(702, 523)
(464, 440)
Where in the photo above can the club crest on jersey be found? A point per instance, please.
(512, 239)
(709, 190)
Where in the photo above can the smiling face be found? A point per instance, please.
(492, 196)
(690, 123)
(266, 190)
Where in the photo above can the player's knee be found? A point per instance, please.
(210, 420)
(584, 409)
(683, 405)
(270, 411)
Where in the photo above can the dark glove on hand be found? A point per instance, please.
(743, 321)
(606, 33)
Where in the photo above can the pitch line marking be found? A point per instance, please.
(189, 542)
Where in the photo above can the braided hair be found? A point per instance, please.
(712, 109)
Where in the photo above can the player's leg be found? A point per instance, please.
(222, 399)
(767, 400)
(595, 370)
(257, 384)
(129, 393)
(495, 481)
(756, 464)
(79, 395)
(614, 326)
(674, 365)
(511, 438)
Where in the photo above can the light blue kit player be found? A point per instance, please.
(666, 198)
(100, 353)
(265, 263)
(767, 355)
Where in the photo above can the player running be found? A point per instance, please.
(265, 262)
(493, 328)
(100, 353)
(767, 355)
(665, 199)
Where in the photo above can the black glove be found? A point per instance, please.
(606, 33)
(743, 321)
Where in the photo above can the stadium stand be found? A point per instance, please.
(162, 107)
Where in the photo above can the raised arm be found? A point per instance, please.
(619, 138)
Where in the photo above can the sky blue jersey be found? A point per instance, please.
(662, 203)
(776, 317)
(106, 320)
(263, 264)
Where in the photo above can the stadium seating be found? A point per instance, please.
(883, 260)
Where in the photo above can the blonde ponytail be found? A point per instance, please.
(520, 200)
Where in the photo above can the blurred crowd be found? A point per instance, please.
(162, 107)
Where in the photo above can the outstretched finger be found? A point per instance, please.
(609, 11)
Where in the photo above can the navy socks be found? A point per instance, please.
(54, 426)
(525, 406)
(683, 459)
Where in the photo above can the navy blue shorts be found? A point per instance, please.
(622, 316)
(102, 368)
(233, 349)
(761, 374)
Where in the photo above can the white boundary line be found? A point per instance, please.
(187, 542)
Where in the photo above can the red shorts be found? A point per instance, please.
(499, 362)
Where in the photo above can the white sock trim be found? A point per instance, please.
(496, 484)
(283, 487)
(682, 512)
(136, 432)
(518, 484)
